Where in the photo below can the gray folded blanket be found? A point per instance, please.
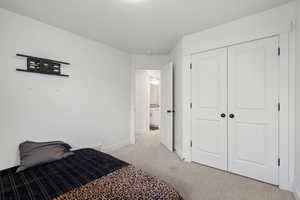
(36, 153)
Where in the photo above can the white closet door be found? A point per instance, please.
(252, 108)
(209, 108)
(167, 113)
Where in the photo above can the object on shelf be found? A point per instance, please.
(43, 66)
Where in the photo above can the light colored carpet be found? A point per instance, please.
(194, 181)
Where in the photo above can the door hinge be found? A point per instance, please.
(278, 162)
(191, 143)
(278, 106)
(191, 105)
(191, 66)
(279, 51)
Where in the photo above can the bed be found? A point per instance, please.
(86, 175)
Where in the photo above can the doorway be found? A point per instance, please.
(147, 100)
(152, 100)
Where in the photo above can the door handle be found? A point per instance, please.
(223, 115)
(231, 116)
(170, 111)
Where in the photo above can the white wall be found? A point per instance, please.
(142, 99)
(297, 145)
(264, 24)
(176, 57)
(89, 108)
(154, 62)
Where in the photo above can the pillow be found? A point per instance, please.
(37, 153)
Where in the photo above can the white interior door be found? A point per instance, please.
(209, 108)
(252, 108)
(167, 113)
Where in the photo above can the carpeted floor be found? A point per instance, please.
(193, 181)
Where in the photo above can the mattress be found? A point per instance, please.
(87, 175)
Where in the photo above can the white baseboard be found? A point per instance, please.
(141, 132)
(296, 192)
(116, 146)
(179, 153)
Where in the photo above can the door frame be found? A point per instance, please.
(132, 131)
(286, 147)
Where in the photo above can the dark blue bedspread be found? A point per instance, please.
(50, 180)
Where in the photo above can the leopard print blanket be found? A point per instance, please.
(128, 183)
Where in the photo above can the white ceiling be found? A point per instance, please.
(137, 26)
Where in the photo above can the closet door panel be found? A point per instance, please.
(209, 98)
(252, 108)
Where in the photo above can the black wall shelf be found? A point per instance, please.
(43, 66)
(25, 70)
